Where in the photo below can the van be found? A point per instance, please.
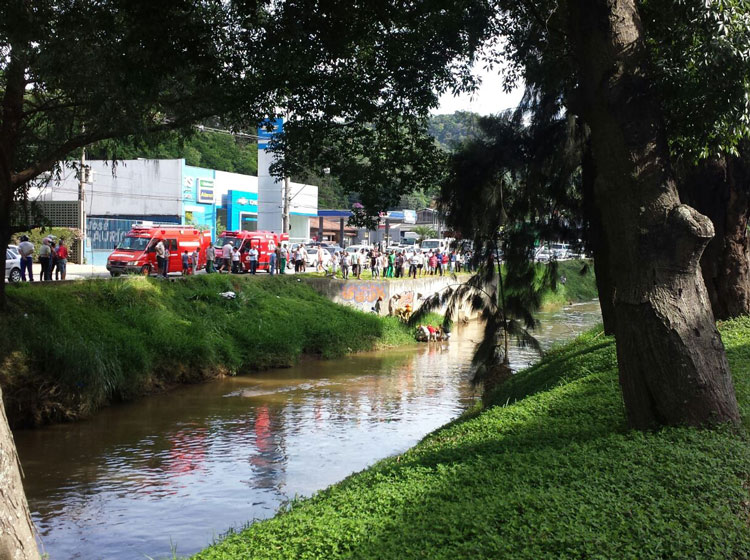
(265, 241)
(136, 253)
(439, 244)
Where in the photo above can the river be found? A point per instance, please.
(171, 472)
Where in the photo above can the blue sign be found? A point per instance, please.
(264, 136)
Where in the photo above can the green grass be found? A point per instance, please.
(69, 349)
(549, 472)
(580, 284)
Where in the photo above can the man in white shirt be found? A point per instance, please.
(26, 251)
(161, 258)
(253, 254)
(226, 255)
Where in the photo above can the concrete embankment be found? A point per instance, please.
(394, 294)
(576, 283)
(69, 349)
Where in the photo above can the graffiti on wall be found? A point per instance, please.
(365, 292)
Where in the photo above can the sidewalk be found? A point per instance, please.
(77, 271)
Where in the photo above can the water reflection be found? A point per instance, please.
(183, 467)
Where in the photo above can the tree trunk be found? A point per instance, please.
(673, 369)
(720, 189)
(5, 232)
(17, 540)
(605, 284)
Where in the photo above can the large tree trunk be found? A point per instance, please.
(720, 189)
(17, 540)
(673, 369)
(605, 283)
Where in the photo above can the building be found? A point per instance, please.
(170, 191)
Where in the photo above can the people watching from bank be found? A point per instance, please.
(391, 262)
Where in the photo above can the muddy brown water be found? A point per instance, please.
(174, 471)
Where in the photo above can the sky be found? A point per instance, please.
(488, 99)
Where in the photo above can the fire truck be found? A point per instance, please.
(136, 253)
(265, 241)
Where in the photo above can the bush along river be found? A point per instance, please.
(170, 473)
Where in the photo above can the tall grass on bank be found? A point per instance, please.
(549, 471)
(579, 286)
(68, 349)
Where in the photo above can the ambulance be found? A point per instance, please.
(136, 253)
(265, 241)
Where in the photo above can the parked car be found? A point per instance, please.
(12, 266)
(561, 251)
(312, 257)
(13, 248)
(542, 254)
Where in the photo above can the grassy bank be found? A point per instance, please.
(579, 286)
(69, 349)
(551, 472)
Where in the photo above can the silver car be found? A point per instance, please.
(12, 266)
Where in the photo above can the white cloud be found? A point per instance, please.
(489, 99)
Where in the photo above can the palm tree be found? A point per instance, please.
(424, 232)
(503, 192)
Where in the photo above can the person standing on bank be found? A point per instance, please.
(272, 261)
(210, 258)
(45, 257)
(26, 251)
(185, 263)
(284, 253)
(62, 259)
(52, 273)
(235, 260)
(161, 258)
(253, 255)
(226, 254)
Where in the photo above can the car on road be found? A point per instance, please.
(12, 266)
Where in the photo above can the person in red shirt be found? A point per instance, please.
(62, 259)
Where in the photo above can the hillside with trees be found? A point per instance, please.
(213, 150)
(451, 130)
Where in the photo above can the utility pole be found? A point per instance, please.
(285, 209)
(83, 175)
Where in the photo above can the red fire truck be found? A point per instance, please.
(136, 253)
(265, 241)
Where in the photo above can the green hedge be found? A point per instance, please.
(71, 348)
(550, 472)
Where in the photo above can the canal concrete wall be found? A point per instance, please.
(395, 294)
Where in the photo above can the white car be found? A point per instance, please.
(561, 251)
(542, 255)
(311, 257)
(12, 266)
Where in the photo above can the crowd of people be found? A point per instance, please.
(52, 255)
(399, 263)
(392, 263)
